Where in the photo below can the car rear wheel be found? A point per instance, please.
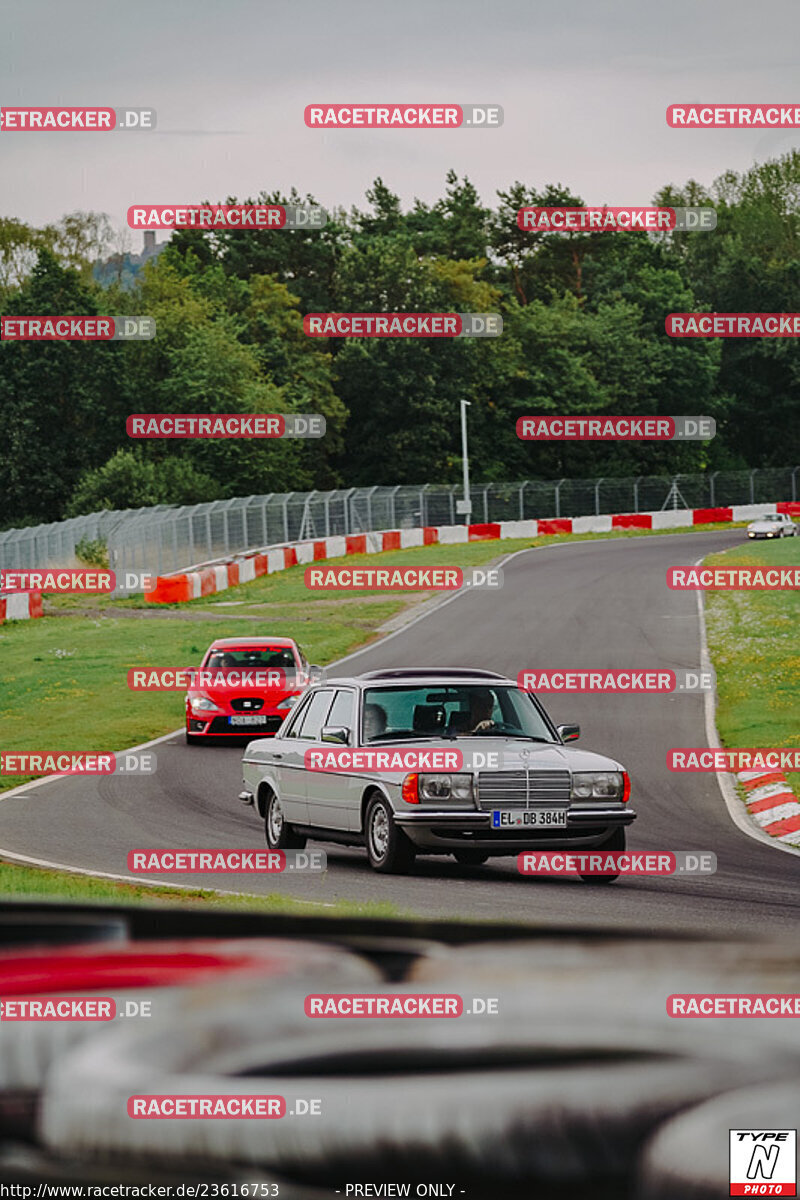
(279, 833)
(388, 849)
(470, 858)
(615, 842)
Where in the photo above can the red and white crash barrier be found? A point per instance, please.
(20, 606)
(772, 804)
(191, 585)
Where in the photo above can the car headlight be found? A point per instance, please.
(443, 787)
(598, 785)
(286, 704)
(203, 704)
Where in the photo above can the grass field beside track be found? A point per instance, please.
(64, 675)
(64, 679)
(754, 643)
(39, 883)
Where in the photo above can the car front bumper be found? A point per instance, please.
(441, 830)
(214, 726)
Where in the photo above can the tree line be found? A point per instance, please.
(584, 332)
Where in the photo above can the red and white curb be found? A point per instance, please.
(20, 606)
(207, 580)
(772, 804)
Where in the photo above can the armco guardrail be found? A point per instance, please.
(207, 578)
(215, 575)
(165, 539)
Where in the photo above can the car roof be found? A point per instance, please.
(251, 642)
(422, 677)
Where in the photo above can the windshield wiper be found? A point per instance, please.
(529, 737)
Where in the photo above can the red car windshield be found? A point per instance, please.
(263, 658)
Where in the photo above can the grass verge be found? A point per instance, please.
(754, 642)
(37, 883)
(65, 673)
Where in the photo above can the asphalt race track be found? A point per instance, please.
(572, 605)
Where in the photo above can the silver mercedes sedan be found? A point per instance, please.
(432, 761)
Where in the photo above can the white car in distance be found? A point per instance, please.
(774, 525)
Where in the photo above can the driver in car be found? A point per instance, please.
(479, 717)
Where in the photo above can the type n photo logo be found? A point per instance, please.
(763, 1162)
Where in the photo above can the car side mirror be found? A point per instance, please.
(568, 733)
(336, 733)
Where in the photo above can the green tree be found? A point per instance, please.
(61, 404)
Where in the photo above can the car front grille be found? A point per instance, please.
(247, 703)
(521, 789)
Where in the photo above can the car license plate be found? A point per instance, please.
(248, 720)
(503, 818)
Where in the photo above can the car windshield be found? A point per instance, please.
(452, 710)
(258, 658)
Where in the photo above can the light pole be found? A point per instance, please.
(464, 506)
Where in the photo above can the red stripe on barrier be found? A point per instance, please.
(320, 551)
(170, 589)
(2, 611)
(233, 574)
(775, 801)
(208, 582)
(391, 539)
(708, 516)
(750, 785)
(356, 543)
(262, 564)
(430, 535)
(289, 556)
(632, 521)
(790, 507)
(556, 525)
(35, 604)
(484, 533)
(787, 825)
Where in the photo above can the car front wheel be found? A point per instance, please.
(388, 849)
(614, 843)
(279, 833)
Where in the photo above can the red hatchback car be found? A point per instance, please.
(246, 686)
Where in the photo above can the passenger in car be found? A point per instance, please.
(374, 721)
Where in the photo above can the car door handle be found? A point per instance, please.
(277, 756)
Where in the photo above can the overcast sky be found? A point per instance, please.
(584, 85)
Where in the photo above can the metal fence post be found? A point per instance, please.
(370, 494)
(597, 496)
(752, 487)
